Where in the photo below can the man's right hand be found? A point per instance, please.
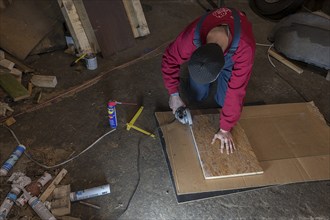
(175, 102)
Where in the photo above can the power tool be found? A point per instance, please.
(183, 115)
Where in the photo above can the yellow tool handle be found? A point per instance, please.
(137, 114)
(143, 131)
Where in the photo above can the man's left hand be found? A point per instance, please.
(226, 141)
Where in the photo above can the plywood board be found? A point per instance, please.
(222, 165)
(298, 164)
(24, 24)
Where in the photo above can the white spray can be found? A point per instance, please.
(90, 193)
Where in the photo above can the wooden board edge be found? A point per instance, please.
(196, 149)
(234, 175)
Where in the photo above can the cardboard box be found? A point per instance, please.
(291, 142)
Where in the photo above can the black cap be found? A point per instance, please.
(206, 63)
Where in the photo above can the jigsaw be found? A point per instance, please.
(183, 115)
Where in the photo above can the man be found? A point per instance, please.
(220, 48)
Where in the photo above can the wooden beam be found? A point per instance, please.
(75, 26)
(81, 10)
(136, 18)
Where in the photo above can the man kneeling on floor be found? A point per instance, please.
(219, 47)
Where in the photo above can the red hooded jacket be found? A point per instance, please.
(181, 49)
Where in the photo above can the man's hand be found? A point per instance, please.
(226, 141)
(175, 102)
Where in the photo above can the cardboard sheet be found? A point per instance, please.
(291, 142)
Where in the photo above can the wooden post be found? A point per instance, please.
(136, 18)
(80, 7)
(75, 26)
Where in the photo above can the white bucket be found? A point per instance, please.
(91, 62)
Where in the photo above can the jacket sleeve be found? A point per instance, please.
(237, 85)
(178, 52)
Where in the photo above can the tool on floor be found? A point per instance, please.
(112, 114)
(131, 124)
(8, 165)
(19, 180)
(183, 115)
(77, 60)
(112, 111)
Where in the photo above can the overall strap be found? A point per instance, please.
(237, 32)
(197, 41)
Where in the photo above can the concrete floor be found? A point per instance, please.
(73, 122)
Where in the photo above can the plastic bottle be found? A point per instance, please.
(19, 150)
(90, 193)
(39, 184)
(8, 203)
(112, 114)
(19, 181)
(40, 209)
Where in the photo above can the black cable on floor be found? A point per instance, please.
(138, 166)
(138, 178)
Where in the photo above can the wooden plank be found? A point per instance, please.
(44, 81)
(136, 18)
(7, 64)
(53, 185)
(19, 64)
(74, 24)
(285, 61)
(87, 25)
(111, 25)
(11, 86)
(215, 164)
(10, 121)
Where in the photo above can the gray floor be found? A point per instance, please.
(72, 123)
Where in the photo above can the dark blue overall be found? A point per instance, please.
(201, 91)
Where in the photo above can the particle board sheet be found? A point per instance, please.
(299, 153)
(222, 165)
